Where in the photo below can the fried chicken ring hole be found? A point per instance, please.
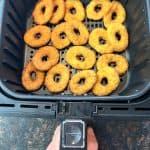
(32, 79)
(74, 10)
(107, 81)
(118, 36)
(43, 11)
(118, 62)
(37, 36)
(77, 32)
(82, 82)
(80, 57)
(100, 42)
(45, 58)
(96, 9)
(59, 37)
(116, 13)
(57, 78)
(58, 12)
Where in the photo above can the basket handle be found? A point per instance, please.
(73, 135)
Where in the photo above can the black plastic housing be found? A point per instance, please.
(14, 16)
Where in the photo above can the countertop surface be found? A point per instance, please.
(22, 133)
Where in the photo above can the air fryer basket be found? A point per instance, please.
(16, 19)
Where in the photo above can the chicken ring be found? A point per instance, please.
(43, 11)
(37, 36)
(77, 32)
(57, 78)
(118, 62)
(58, 12)
(74, 10)
(107, 81)
(32, 79)
(116, 13)
(80, 57)
(96, 9)
(98, 39)
(118, 36)
(59, 37)
(82, 82)
(45, 58)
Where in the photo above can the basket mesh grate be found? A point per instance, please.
(29, 52)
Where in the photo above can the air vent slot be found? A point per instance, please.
(119, 108)
(100, 108)
(29, 106)
(47, 107)
(7, 105)
(142, 109)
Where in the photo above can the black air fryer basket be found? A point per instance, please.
(132, 98)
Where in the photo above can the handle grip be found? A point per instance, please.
(73, 135)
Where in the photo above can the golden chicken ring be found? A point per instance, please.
(77, 32)
(118, 62)
(74, 10)
(45, 58)
(107, 81)
(96, 9)
(98, 40)
(55, 84)
(82, 82)
(80, 57)
(59, 37)
(37, 36)
(43, 11)
(118, 36)
(116, 13)
(32, 79)
(58, 12)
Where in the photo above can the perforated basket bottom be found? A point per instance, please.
(29, 52)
